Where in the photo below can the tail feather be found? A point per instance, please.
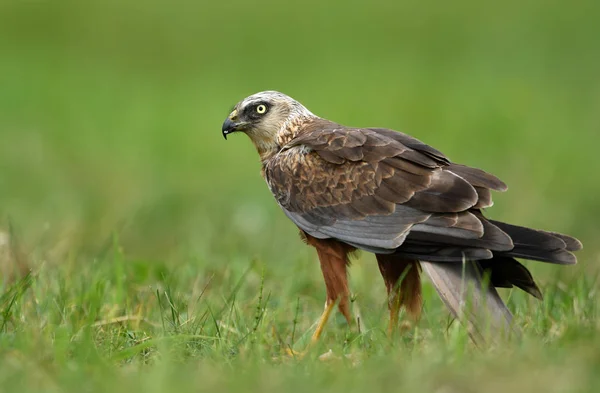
(572, 243)
(561, 257)
(530, 238)
(539, 245)
(506, 272)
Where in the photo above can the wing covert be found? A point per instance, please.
(368, 188)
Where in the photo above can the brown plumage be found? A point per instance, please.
(403, 284)
(388, 193)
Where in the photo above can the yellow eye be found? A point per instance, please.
(261, 109)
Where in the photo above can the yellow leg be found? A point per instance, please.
(333, 257)
(318, 332)
(322, 322)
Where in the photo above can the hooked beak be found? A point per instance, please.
(230, 126)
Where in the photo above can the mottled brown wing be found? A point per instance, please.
(371, 187)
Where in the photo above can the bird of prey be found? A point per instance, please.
(385, 192)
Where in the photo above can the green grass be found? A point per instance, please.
(117, 324)
(159, 260)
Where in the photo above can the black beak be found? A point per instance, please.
(229, 126)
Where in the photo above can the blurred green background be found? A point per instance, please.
(111, 113)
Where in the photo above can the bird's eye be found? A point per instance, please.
(261, 109)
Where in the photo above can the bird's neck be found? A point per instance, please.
(267, 147)
(266, 150)
(293, 127)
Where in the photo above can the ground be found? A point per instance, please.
(159, 260)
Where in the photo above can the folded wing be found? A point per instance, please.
(373, 188)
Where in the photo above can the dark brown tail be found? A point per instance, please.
(539, 245)
(450, 277)
(505, 270)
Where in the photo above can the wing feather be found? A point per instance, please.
(371, 187)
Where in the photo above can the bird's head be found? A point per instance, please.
(263, 117)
